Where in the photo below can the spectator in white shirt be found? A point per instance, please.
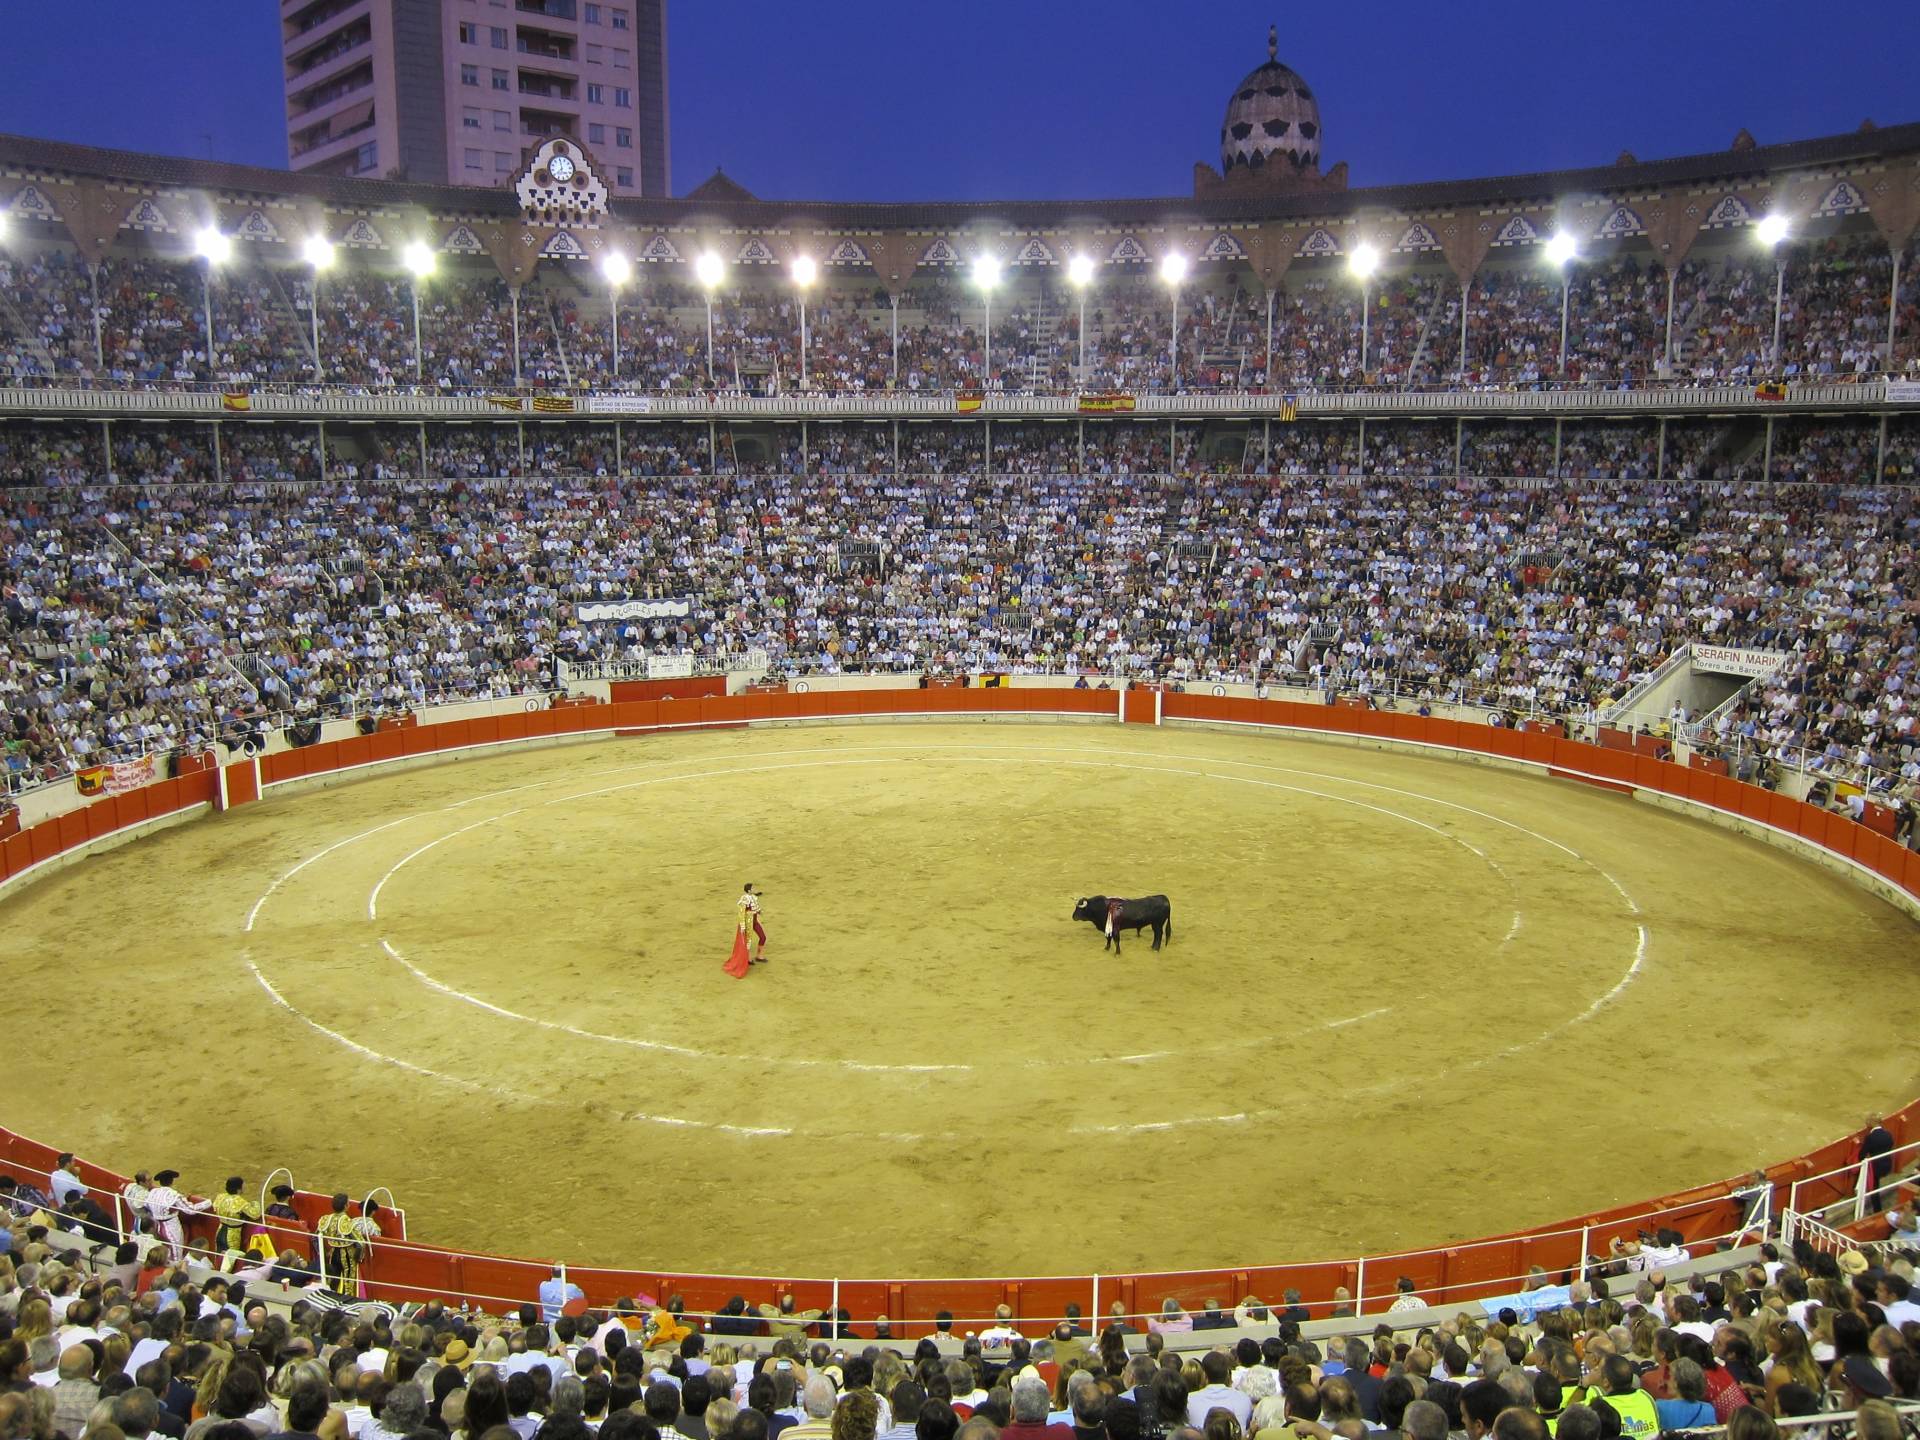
(1896, 1299)
(64, 1183)
(555, 1291)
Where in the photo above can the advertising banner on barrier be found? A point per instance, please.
(634, 610)
(1903, 392)
(618, 404)
(1725, 660)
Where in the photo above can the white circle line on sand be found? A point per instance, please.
(1632, 971)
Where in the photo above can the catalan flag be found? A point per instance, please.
(1289, 408)
(1770, 390)
(505, 402)
(966, 404)
(236, 400)
(553, 404)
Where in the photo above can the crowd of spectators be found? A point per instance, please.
(140, 319)
(144, 617)
(121, 1341)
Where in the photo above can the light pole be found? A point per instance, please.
(986, 274)
(318, 252)
(1173, 270)
(615, 267)
(805, 272)
(418, 258)
(1363, 262)
(1080, 276)
(216, 249)
(1561, 253)
(709, 269)
(1771, 230)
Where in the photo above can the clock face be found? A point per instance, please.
(560, 168)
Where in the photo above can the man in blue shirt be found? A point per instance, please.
(555, 1292)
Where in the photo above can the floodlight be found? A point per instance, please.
(213, 247)
(804, 271)
(1561, 248)
(986, 272)
(709, 269)
(418, 257)
(1771, 230)
(616, 268)
(1363, 260)
(1173, 268)
(318, 251)
(1080, 270)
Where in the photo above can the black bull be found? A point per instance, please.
(1111, 915)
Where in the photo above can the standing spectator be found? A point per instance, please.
(1876, 1153)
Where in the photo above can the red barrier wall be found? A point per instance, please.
(412, 1271)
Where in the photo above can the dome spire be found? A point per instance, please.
(1273, 42)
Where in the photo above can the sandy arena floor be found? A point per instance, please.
(1408, 1000)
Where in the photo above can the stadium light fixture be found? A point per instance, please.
(216, 249)
(1173, 270)
(1363, 260)
(317, 252)
(1080, 276)
(618, 271)
(1771, 231)
(804, 272)
(986, 274)
(418, 258)
(709, 269)
(1562, 251)
(212, 246)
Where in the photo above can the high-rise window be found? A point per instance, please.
(623, 177)
(596, 134)
(469, 74)
(498, 34)
(623, 138)
(469, 33)
(502, 80)
(619, 19)
(623, 99)
(593, 14)
(596, 94)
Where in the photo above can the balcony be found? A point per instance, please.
(350, 121)
(544, 44)
(539, 124)
(344, 43)
(553, 9)
(549, 87)
(315, 16)
(321, 96)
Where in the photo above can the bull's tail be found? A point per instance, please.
(1169, 923)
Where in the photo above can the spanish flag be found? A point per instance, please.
(236, 400)
(92, 781)
(553, 404)
(1770, 390)
(1106, 404)
(966, 404)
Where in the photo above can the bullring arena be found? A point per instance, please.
(1392, 954)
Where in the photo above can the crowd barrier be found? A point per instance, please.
(404, 1270)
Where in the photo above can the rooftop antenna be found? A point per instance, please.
(1273, 42)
